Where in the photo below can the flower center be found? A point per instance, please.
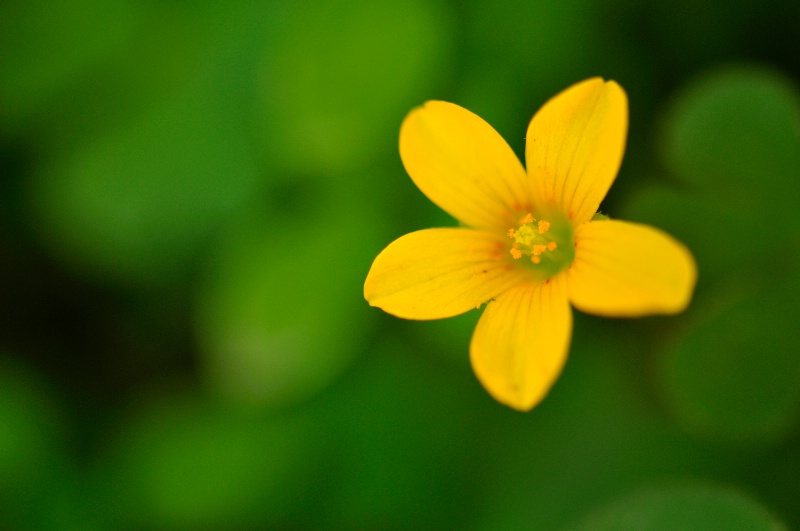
(545, 243)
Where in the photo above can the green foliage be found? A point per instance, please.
(707, 507)
(273, 347)
(732, 140)
(734, 374)
(135, 205)
(179, 462)
(332, 94)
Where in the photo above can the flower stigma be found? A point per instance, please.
(546, 244)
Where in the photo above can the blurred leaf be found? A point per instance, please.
(683, 507)
(341, 74)
(29, 427)
(400, 427)
(83, 69)
(541, 39)
(735, 133)
(46, 45)
(774, 478)
(447, 338)
(734, 375)
(520, 53)
(280, 313)
(594, 436)
(733, 140)
(34, 471)
(134, 206)
(180, 463)
(496, 94)
(688, 35)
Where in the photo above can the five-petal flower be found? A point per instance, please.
(531, 243)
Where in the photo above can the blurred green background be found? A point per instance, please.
(192, 193)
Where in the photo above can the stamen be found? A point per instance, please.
(537, 240)
(544, 225)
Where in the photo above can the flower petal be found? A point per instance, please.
(521, 342)
(626, 269)
(574, 146)
(463, 165)
(436, 273)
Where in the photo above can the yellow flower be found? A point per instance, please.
(531, 243)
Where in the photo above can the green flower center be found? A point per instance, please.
(545, 244)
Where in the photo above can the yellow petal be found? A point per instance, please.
(628, 270)
(574, 147)
(436, 273)
(520, 344)
(464, 166)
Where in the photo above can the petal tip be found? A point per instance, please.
(516, 398)
(626, 269)
(688, 284)
(575, 145)
(521, 342)
(596, 83)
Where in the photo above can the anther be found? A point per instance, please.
(544, 242)
(533, 239)
(544, 225)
